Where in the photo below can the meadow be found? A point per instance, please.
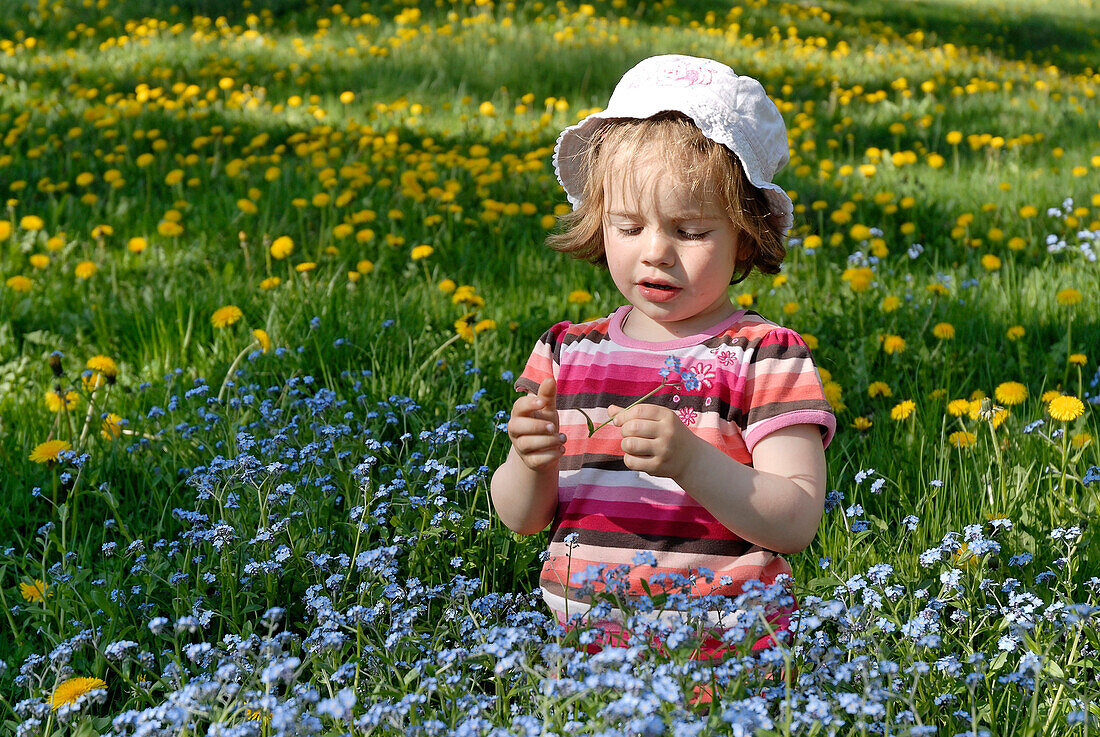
(268, 271)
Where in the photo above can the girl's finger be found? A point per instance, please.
(529, 444)
(640, 428)
(518, 426)
(638, 447)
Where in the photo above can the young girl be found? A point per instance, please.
(722, 469)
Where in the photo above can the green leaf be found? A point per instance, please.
(86, 729)
(999, 661)
(588, 421)
(1054, 669)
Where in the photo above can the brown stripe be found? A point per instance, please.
(763, 412)
(591, 336)
(592, 460)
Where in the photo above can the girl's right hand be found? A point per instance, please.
(533, 428)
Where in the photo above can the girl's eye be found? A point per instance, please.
(630, 231)
(694, 236)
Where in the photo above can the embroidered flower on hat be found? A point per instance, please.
(685, 75)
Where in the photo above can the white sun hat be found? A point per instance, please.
(730, 109)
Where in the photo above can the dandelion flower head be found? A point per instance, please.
(226, 316)
(1066, 408)
(49, 450)
(72, 689)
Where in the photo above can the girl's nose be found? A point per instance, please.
(658, 249)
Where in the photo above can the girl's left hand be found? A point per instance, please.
(654, 439)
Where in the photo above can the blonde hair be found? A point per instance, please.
(712, 172)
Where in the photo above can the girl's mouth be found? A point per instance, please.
(657, 292)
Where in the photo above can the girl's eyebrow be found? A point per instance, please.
(677, 218)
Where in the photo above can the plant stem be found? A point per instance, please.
(611, 419)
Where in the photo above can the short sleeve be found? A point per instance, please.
(780, 387)
(544, 360)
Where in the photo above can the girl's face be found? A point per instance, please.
(671, 255)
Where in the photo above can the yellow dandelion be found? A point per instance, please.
(85, 269)
(467, 295)
(136, 244)
(903, 410)
(421, 252)
(169, 228)
(305, 267)
(863, 424)
(39, 260)
(257, 715)
(944, 331)
(962, 439)
(990, 262)
(1078, 359)
(879, 389)
(282, 247)
(364, 267)
(262, 338)
(1068, 297)
(5, 230)
(111, 428)
(49, 451)
(1066, 408)
(483, 325)
(834, 395)
(1010, 392)
(579, 297)
(964, 557)
(270, 283)
(892, 344)
(35, 591)
(859, 278)
(1080, 440)
(104, 365)
(1049, 396)
(69, 691)
(1015, 332)
(225, 316)
(19, 283)
(447, 286)
(56, 402)
(31, 222)
(462, 327)
(890, 303)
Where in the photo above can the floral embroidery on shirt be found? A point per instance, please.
(726, 358)
(688, 416)
(705, 373)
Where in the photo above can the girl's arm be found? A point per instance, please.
(525, 499)
(777, 503)
(524, 488)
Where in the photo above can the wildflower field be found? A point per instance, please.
(267, 273)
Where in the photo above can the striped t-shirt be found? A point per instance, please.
(746, 377)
